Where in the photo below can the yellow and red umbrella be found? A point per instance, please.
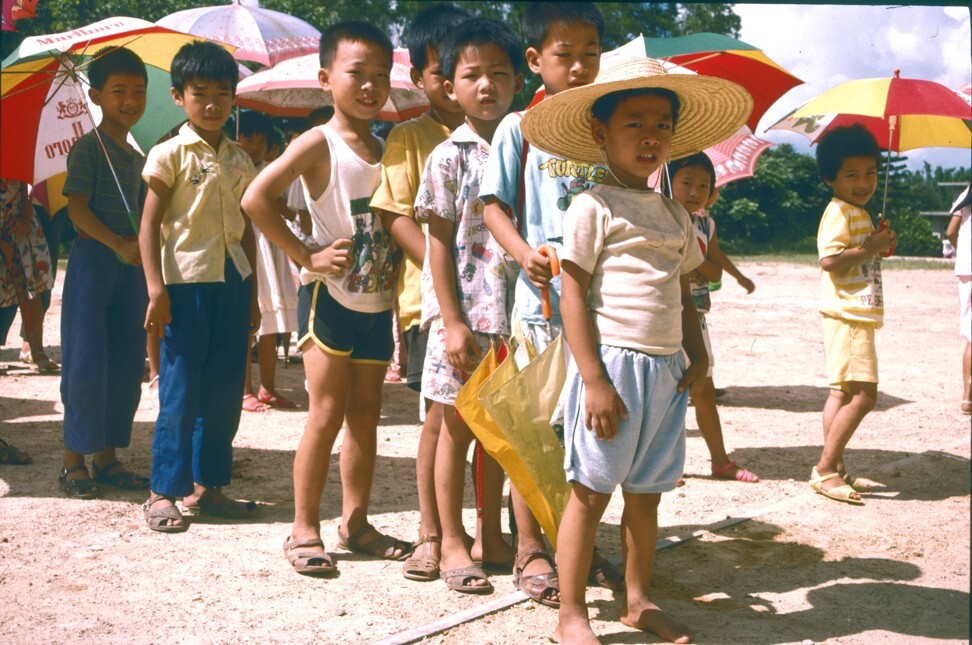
(729, 58)
(901, 113)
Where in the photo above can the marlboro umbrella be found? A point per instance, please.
(291, 89)
(902, 114)
(43, 93)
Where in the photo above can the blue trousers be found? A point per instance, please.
(203, 362)
(102, 348)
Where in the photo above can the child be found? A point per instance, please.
(346, 297)
(103, 306)
(197, 250)
(851, 302)
(466, 274)
(628, 314)
(535, 187)
(278, 293)
(409, 146)
(693, 186)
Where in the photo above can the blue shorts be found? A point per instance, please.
(364, 337)
(648, 453)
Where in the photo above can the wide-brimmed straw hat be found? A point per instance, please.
(710, 110)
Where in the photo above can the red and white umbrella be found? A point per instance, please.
(735, 158)
(291, 89)
(260, 35)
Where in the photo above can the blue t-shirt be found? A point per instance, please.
(550, 184)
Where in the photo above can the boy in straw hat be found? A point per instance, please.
(628, 313)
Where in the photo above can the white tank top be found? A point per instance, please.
(343, 211)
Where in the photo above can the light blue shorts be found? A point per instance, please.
(648, 453)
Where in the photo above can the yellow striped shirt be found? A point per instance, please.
(854, 294)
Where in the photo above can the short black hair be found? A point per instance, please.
(843, 142)
(428, 29)
(541, 16)
(114, 60)
(203, 60)
(354, 31)
(252, 122)
(604, 107)
(478, 32)
(697, 160)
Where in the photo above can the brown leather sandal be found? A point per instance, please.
(539, 587)
(422, 569)
(161, 519)
(382, 546)
(309, 563)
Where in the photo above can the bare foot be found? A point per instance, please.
(493, 552)
(575, 632)
(650, 617)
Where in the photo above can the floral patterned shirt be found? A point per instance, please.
(484, 273)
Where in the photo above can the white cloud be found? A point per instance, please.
(828, 44)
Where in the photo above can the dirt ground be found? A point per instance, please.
(789, 567)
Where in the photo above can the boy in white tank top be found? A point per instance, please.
(347, 288)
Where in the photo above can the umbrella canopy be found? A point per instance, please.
(735, 158)
(44, 99)
(902, 113)
(14, 10)
(728, 58)
(291, 89)
(259, 35)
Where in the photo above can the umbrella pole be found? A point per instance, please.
(892, 121)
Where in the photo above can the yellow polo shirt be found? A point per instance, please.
(203, 224)
(406, 151)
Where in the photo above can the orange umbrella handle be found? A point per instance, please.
(883, 223)
(549, 252)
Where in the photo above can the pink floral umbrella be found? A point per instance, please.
(735, 158)
(292, 89)
(259, 35)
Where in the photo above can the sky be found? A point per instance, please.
(826, 45)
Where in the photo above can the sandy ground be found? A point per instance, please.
(791, 567)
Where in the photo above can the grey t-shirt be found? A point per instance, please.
(89, 174)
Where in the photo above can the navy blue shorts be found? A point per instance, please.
(364, 337)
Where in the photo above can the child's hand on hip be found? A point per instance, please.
(335, 258)
(462, 351)
(602, 408)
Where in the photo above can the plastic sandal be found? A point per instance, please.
(162, 519)
(253, 404)
(741, 475)
(539, 587)
(275, 400)
(123, 479)
(840, 493)
(382, 546)
(85, 488)
(309, 563)
(10, 455)
(458, 579)
(422, 569)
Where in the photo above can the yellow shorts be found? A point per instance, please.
(850, 353)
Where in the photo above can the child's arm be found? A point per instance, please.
(406, 232)
(86, 221)
(877, 242)
(536, 266)
(461, 349)
(307, 154)
(602, 404)
(951, 233)
(692, 341)
(730, 268)
(158, 313)
(248, 242)
(710, 268)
